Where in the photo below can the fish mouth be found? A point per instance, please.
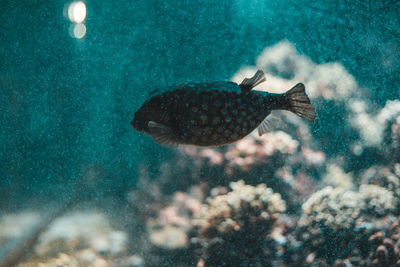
(136, 125)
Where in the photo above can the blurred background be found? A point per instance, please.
(72, 74)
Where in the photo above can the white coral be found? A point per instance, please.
(378, 200)
(225, 212)
(372, 127)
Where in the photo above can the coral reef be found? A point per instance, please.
(276, 158)
(307, 195)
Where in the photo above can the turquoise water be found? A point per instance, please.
(69, 91)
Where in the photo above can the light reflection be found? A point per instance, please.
(77, 12)
(79, 30)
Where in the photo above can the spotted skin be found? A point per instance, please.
(215, 113)
(208, 114)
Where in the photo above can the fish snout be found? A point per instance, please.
(136, 125)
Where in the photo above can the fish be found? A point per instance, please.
(216, 113)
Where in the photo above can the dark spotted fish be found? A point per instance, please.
(216, 113)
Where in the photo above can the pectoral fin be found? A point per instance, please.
(268, 124)
(162, 134)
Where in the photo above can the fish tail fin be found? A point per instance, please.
(299, 103)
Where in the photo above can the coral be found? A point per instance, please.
(294, 159)
(334, 208)
(230, 212)
(62, 260)
(82, 230)
(377, 201)
(385, 250)
(78, 238)
(230, 222)
(169, 229)
(336, 177)
(329, 81)
(13, 226)
(386, 177)
(250, 151)
(336, 221)
(276, 158)
(169, 237)
(386, 118)
(380, 246)
(391, 139)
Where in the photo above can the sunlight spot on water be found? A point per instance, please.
(77, 12)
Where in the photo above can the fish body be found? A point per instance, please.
(210, 113)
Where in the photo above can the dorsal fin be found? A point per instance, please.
(248, 84)
(162, 134)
